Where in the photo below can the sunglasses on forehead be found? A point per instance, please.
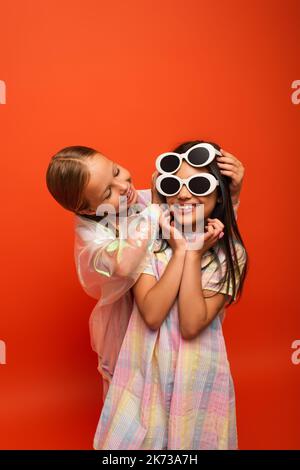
(197, 156)
(200, 184)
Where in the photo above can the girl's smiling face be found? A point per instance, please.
(108, 182)
(187, 214)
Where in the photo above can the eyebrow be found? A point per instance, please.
(113, 165)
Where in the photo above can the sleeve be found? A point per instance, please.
(107, 268)
(216, 271)
(148, 267)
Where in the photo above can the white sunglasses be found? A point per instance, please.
(200, 184)
(197, 156)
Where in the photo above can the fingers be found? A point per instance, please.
(208, 235)
(229, 165)
(154, 175)
(227, 157)
(156, 196)
(215, 230)
(232, 174)
(216, 223)
(153, 178)
(164, 218)
(227, 154)
(231, 159)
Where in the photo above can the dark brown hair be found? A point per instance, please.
(67, 176)
(225, 213)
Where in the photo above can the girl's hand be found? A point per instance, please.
(156, 197)
(175, 239)
(230, 166)
(214, 233)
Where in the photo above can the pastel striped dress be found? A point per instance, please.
(168, 392)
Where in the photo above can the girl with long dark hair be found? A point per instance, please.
(172, 386)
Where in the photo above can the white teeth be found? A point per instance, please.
(186, 208)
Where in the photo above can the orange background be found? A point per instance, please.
(134, 79)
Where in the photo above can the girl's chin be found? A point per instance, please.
(124, 208)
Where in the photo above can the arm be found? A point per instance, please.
(155, 298)
(107, 267)
(196, 315)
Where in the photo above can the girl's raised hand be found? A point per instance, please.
(175, 239)
(214, 232)
(230, 166)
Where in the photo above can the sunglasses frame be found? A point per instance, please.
(185, 156)
(212, 179)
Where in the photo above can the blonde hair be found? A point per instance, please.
(67, 176)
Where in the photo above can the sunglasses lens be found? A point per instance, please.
(199, 185)
(170, 185)
(169, 163)
(198, 156)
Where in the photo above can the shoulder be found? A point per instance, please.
(90, 230)
(162, 258)
(240, 251)
(212, 262)
(237, 247)
(159, 258)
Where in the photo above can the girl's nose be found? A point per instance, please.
(122, 186)
(184, 192)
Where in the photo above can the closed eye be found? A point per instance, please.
(115, 174)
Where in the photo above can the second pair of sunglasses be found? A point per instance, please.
(200, 184)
